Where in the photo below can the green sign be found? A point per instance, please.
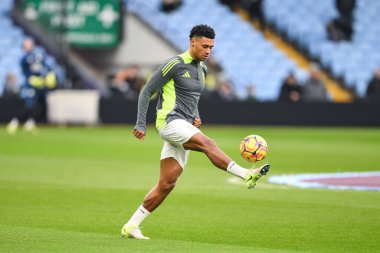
(83, 23)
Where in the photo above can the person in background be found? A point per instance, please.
(170, 5)
(11, 89)
(251, 93)
(214, 77)
(290, 90)
(231, 4)
(346, 8)
(127, 83)
(38, 80)
(255, 10)
(341, 27)
(334, 32)
(314, 89)
(226, 91)
(373, 88)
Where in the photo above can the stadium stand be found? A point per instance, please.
(304, 23)
(245, 55)
(11, 50)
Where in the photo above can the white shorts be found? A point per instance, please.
(175, 134)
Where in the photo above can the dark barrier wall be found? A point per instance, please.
(217, 112)
(319, 114)
(9, 108)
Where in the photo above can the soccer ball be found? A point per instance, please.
(253, 148)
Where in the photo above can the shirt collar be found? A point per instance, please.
(186, 56)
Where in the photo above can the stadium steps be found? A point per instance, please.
(338, 93)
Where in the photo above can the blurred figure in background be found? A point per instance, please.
(251, 93)
(373, 88)
(290, 90)
(226, 91)
(170, 5)
(341, 28)
(38, 80)
(255, 11)
(215, 75)
(345, 8)
(314, 88)
(127, 83)
(11, 88)
(231, 4)
(334, 33)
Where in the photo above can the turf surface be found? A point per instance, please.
(72, 189)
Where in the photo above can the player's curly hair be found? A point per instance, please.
(202, 31)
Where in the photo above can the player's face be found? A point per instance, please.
(201, 47)
(28, 45)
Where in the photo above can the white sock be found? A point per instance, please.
(236, 170)
(140, 214)
(30, 124)
(14, 122)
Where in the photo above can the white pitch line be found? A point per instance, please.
(298, 180)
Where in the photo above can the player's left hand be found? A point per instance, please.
(197, 122)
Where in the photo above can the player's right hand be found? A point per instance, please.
(197, 122)
(139, 134)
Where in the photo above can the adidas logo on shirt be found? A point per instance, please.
(186, 74)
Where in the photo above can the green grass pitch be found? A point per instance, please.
(72, 189)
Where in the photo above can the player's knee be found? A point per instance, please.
(167, 186)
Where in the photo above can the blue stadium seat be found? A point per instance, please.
(247, 58)
(304, 22)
